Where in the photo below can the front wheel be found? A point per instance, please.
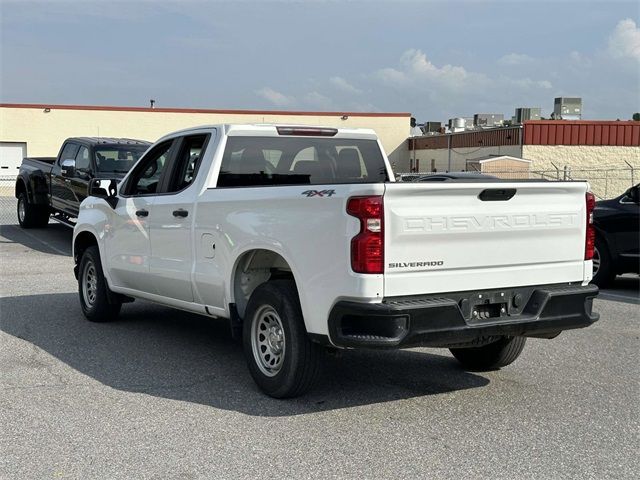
(490, 357)
(98, 303)
(281, 358)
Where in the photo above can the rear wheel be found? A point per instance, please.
(281, 358)
(98, 303)
(490, 357)
(30, 215)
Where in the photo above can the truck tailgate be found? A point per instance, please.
(444, 238)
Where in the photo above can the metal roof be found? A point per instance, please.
(493, 158)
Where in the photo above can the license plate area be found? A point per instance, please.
(493, 305)
(485, 311)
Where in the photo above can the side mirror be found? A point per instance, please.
(68, 167)
(632, 195)
(104, 188)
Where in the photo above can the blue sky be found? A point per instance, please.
(434, 59)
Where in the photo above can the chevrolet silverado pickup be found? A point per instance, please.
(57, 185)
(301, 238)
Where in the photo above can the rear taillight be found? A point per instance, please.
(367, 248)
(590, 239)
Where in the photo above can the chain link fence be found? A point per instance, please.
(8, 202)
(606, 182)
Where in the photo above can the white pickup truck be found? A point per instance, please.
(303, 240)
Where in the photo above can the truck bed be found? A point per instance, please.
(39, 162)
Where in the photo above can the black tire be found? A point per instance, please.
(277, 302)
(603, 274)
(490, 357)
(98, 303)
(30, 215)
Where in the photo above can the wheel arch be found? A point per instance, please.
(608, 242)
(251, 269)
(21, 187)
(81, 242)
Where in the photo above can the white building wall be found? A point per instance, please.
(43, 132)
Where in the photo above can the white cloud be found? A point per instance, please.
(624, 42)
(275, 97)
(419, 73)
(527, 83)
(344, 86)
(515, 59)
(317, 100)
(415, 67)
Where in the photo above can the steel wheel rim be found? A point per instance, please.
(596, 261)
(268, 341)
(89, 283)
(21, 209)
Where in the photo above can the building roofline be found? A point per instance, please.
(580, 122)
(200, 110)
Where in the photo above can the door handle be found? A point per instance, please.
(142, 213)
(180, 213)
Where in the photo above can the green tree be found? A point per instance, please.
(636, 117)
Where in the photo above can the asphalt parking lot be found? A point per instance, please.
(166, 394)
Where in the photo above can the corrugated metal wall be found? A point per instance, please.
(539, 132)
(480, 138)
(548, 132)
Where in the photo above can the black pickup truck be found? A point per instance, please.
(56, 186)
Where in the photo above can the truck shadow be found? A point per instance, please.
(625, 289)
(176, 355)
(55, 239)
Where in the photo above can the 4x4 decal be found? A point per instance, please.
(318, 193)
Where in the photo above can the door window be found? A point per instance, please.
(68, 152)
(187, 162)
(145, 179)
(82, 160)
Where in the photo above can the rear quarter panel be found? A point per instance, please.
(312, 233)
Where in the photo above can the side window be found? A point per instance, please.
(187, 162)
(68, 152)
(145, 179)
(82, 160)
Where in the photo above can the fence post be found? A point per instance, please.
(606, 183)
(632, 172)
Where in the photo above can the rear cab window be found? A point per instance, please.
(117, 158)
(273, 161)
